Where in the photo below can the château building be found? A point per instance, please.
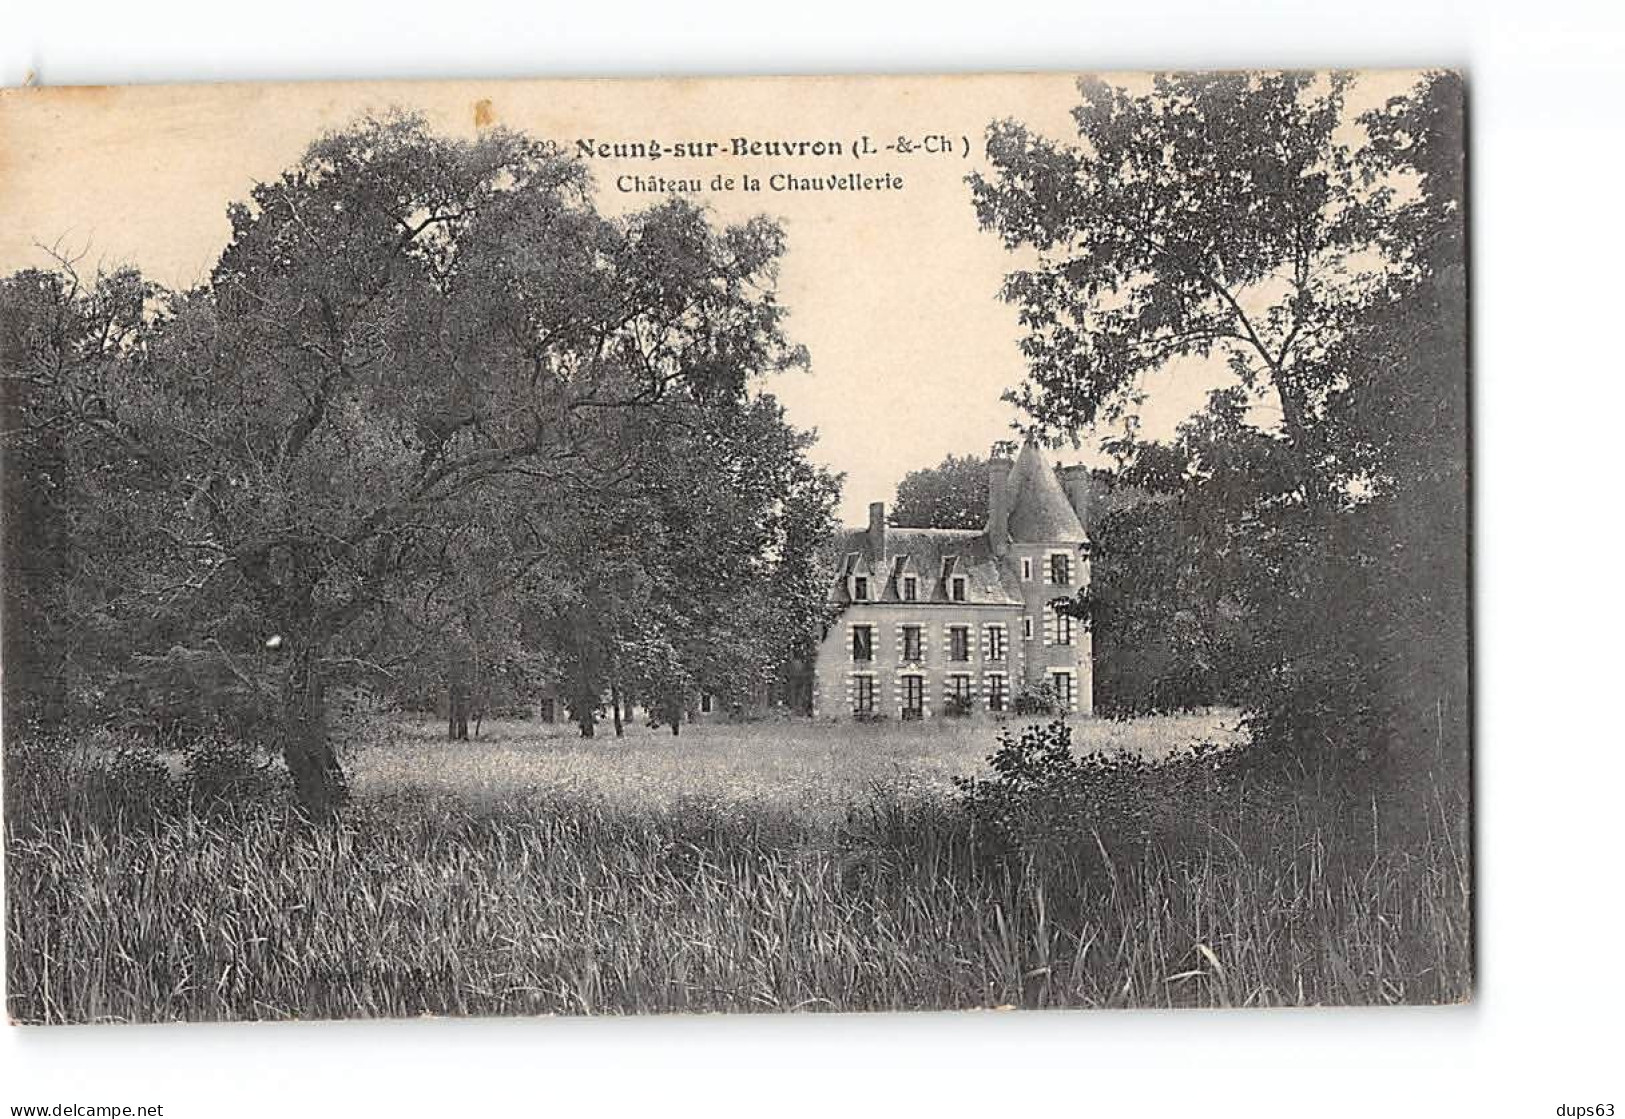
(936, 622)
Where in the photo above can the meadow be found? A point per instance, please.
(735, 868)
(813, 771)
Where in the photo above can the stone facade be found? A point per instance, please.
(943, 622)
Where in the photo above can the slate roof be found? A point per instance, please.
(1039, 510)
(1039, 514)
(927, 551)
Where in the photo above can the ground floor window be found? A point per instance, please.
(913, 697)
(998, 692)
(863, 695)
(1063, 689)
(959, 701)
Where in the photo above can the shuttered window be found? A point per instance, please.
(863, 643)
(995, 693)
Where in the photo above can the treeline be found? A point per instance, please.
(431, 422)
(1300, 548)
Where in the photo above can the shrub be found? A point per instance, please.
(115, 778)
(221, 770)
(97, 776)
(1046, 806)
(1035, 699)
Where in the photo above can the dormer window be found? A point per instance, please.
(956, 588)
(911, 588)
(860, 588)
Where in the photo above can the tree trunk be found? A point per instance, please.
(318, 779)
(1295, 420)
(457, 711)
(615, 708)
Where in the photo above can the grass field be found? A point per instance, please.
(731, 869)
(805, 769)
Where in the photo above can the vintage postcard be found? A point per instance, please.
(725, 545)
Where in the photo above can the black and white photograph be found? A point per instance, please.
(738, 545)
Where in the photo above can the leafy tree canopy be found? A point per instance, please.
(952, 494)
(413, 355)
(1220, 214)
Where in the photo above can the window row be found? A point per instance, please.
(960, 698)
(1060, 569)
(909, 590)
(994, 639)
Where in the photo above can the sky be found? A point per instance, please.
(894, 293)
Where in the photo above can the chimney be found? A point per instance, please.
(1075, 481)
(877, 533)
(998, 503)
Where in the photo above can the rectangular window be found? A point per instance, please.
(1060, 570)
(911, 588)
(1027, 627)
(860, 589)
(1063, 628)
(1026, 569)
(705, 703)
(863, 695)
(959, 643)
(995, 643)
(995, 693)
(1063, 689)
(913, 697)
(959, 701)
(863, 643)
(911, 643)
(958, 589)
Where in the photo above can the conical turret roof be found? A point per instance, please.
(1039, 510)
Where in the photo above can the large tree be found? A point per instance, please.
(952, 494)
(1216, 214)
(1253, 217)
(696, 572)
(403, 327)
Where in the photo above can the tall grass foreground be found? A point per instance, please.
(1053, 881)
